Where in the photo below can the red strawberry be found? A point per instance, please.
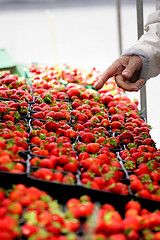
(58, 116)
(73, 92)
(66, 115)
(81, 117)
(52, 126)
(44, 173)
(131, 223)
(126, 135)
(71, 167)
(57, 176)
(136, 185)
(116, 125)
(70, 134)
(28, 229)
(155, 176)
(105, 123)
(39, 115)
(133, 205)
(119, 236)
(117, 117)
(112, 142)
(87, 138)
(92, 147)
(148, 141)
(54, 229)
(106, 99)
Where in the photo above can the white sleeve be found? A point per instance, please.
(148, 47)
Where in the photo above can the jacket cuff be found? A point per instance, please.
(145, 61)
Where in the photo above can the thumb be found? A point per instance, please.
(134, 64)
(129, 71)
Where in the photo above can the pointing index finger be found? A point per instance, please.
(108, 73)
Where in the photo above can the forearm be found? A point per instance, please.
(148, 47)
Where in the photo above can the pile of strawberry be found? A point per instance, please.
(29, 213)
(72, 134)
(14, 87)
(14, 126)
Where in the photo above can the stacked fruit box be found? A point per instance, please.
(82, 162)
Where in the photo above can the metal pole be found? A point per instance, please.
(157, 3)
(118, 6)
(140, 25)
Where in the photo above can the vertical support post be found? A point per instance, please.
(157, 3)
(118, 7)
(140, 26)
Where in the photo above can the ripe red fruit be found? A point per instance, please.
(45, 174)
(73, 92)
(133, 205)
(92, 147)
(105, 123)
(136, 185)
(70, 134)
(28, 229)
(126, 135)
(81, 117)
(52, 126)
(131, 223)
(88, 138)
(105, 99)
(71, 167)
(116, 125)
(119, 236)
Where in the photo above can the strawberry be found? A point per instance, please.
(142, 169)
(131, 223)
(54, 228)
(132, 204)
(46, 163)
(58, 116)
(144, 193)
(132, 234)
(136, 185)
(100, 182)
(73, 92)
(44, 173)
(78, 127)
(117, 117)
(112, 142)
(92, 147)
(155, 176)
(66, 115)
(105, 99)
(148, 141)
(39, 115)
(116, 125)
(52, 126)
(88, 138)
(94, 168)
(126, 135)
(70, 134)
(81, 117)
(57, 176)
(105, 123)
(115, 236)
(28, 229)
(71, 166)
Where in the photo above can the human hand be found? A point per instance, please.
(125, 70)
